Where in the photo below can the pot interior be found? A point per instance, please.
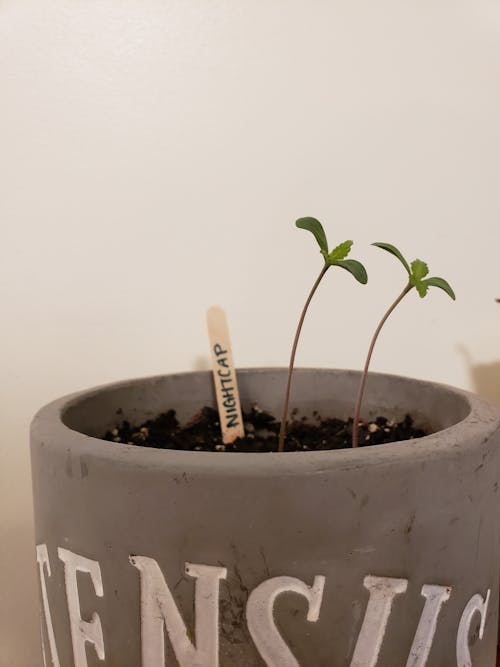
(329, 392)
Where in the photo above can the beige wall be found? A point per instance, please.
(153, 157)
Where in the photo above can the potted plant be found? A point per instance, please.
(358, 557)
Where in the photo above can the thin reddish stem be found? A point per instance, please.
(361, 390)
(284, 418)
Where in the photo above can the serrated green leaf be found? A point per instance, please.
(394, 251)
(315, 227)
(354, 267)
(421, 287)
(419, 269)
(442, 284)
(340, 252)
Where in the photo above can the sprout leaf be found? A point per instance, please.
(419, 269)
(422, 288)
(315, 227)
(442, 284)
(394, 251)
(354, 267)
(340, 252)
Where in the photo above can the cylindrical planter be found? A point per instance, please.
(385, 555)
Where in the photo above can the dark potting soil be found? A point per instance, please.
(202, 433)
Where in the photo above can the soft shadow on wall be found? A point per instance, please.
(486, 380)
(484, 376)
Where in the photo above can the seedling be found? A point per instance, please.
(336, 257)
(417, 272)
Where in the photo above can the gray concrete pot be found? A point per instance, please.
(383, 556)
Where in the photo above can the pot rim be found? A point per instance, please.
(480, 423)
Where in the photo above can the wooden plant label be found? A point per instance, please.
(226, 387)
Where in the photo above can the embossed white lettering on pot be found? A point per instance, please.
(82, 631)
(435, 597)
(42, 557)
(383, 590)
(260, 617)
(476, 605)
(159, 611)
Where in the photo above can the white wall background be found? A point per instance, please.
(154, 155)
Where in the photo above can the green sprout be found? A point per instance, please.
(335, 257)
(417, 278)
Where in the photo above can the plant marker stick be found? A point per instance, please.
(226, 386)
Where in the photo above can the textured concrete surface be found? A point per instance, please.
(422, 511)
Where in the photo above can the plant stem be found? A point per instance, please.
(357, 409)
(282, 434)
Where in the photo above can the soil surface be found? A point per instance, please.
(202, 433)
